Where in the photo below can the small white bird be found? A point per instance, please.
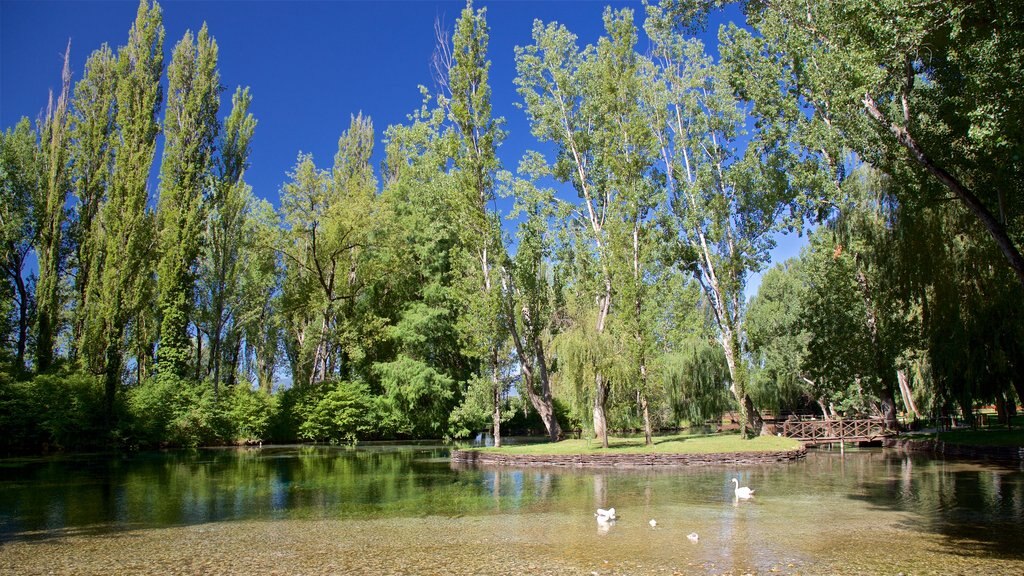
(742, 491)
(693, 536)
(605, 515)
(653, 523)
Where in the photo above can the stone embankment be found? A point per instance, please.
(624, 460)
(955, 450)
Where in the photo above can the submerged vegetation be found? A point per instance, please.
(396, 303)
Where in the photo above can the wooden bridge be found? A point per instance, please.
(832, 431)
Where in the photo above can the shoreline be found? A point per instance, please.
(633, 461)
(1013, 453)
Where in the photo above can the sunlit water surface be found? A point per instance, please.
(403, 509)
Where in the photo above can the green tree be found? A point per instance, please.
(190, 129)
(20, 174)
(92, 131)
(328, 248)
(224, 258)
(730, 188)
(580, 101)
(420, 301)
(920, 88)
(777, 340)
(476, 136)
(529, 295)
(121, 267)
(51, 216)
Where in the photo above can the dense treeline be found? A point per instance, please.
(397, 303)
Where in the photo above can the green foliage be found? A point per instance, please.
(419, 394)
(20, 174)
(171, 411)
(401, 311)
(343, 414)
(50, 214)
(778, 339)
(190, 131)
(52, 412)
(92, 147)
(249, 413)
(696, 380)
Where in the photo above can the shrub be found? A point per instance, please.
(343, 414)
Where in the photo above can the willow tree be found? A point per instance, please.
(924, 87)
(120, 269)
(730, 188)
(190, 129)
(92, 146)
(51, 215)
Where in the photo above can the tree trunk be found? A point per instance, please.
(532, 363)
(600, 423)
(824, 409)
(112, 378)
(907, 393)
(545, 403)
(751, 423)
(647, 419)
(23, 308)
(496, 387)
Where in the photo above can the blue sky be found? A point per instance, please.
(309, 64)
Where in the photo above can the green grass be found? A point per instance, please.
(984, 437)
(674, 444)
(992, 434)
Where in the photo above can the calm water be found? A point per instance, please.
(404, 509)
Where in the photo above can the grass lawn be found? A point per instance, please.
(991, 435)
(984, 437)
(674, 444)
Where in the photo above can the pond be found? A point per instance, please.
(403, 509)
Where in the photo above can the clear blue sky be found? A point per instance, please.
(309, 64)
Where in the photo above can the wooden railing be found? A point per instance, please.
(826, 431)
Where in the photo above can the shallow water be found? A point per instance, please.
(402, 509)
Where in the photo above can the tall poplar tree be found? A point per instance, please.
(121, 268)
(92, 147)
(190, 129)
(477, 137)
(226, 227)
(51, 216)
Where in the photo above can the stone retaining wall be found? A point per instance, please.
(956, 450)
(624, 460)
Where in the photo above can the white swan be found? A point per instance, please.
(605, 515)
(693, 536)
(742, 491)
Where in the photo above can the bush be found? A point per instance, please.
(52, 412)
(343, 414)
(171, 411)
(249, 413)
